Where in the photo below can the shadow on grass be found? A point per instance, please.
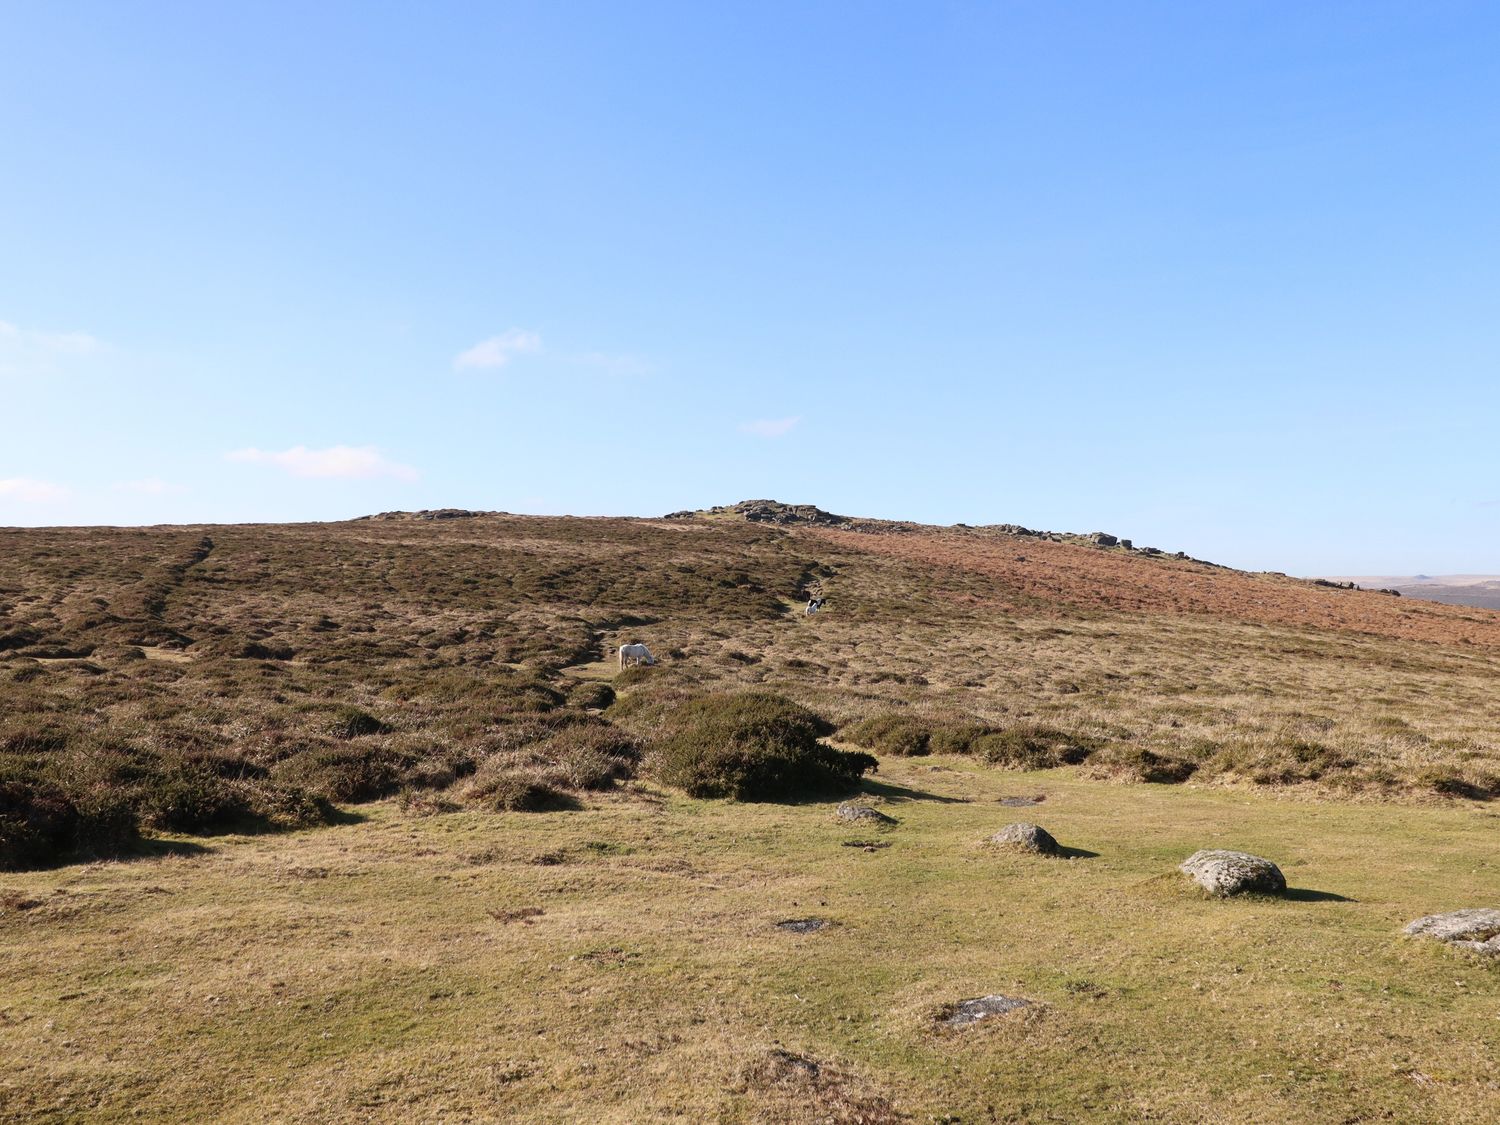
(1076, 853)
(902, 793)
(162, 849)
(1303, 894)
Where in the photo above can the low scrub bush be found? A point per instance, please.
(1031, 748)
(587, 756)
(41, 822)
(505, 787)
(753, 746)
(346, 772)
(894, 732)
(1283, 761)
(265, 650)
(351, 722)
(192, 800)
(1136, 763)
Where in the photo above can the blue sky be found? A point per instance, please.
(1219, 277)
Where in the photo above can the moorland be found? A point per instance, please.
(362, 821)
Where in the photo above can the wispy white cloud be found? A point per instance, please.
(770, 427)
(346, 462)
(29, 490)
(30, 354)
(57, 343)
(499, 350)
(149, 486)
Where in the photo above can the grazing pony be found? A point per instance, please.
(635, 653)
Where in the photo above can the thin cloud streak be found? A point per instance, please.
(770, 427)
(341, 462)
(29, 490)
(149, 486)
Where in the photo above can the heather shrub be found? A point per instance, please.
(41, 822)
(1136, 763)
(345, 772)
(1031, 748)
(351, 722)
(753, 746)
(586, 756)
(895, 732)
(506, 787)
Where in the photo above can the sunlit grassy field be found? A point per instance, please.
(622, 963)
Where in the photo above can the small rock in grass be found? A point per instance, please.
(1027, 838)
(783, 1064)
(1022, 802)
(1475, 929)
(802, 925)
(1225, 873)
(967, 1012)
(853, 812)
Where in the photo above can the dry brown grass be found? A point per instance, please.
(471, 642)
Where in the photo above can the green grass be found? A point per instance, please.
(361, 972)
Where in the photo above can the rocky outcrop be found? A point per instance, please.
(771, 511)
(1027, 838)
(1476, 930)
(1224, 873)
(432, 514)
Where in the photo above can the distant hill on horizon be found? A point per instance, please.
(1481, 591)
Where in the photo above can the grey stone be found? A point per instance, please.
(1026, 837)
(1233, 873)
(802, 925)
(856, 813)
(967, 1012)
(1476, 929)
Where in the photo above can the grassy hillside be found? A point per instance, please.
(402, 842)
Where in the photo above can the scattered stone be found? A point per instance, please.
(856, 813)
(1022, 802)
(967, 1012)
(1027, 838)
(802, 925)
(1225, 873)
(1475, 929)
(868, 845)
(1103, 539)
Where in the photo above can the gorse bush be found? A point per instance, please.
(753, 746)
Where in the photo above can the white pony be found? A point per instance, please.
(635, 653)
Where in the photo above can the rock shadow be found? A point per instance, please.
(1065, 852)
(1304, 894)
